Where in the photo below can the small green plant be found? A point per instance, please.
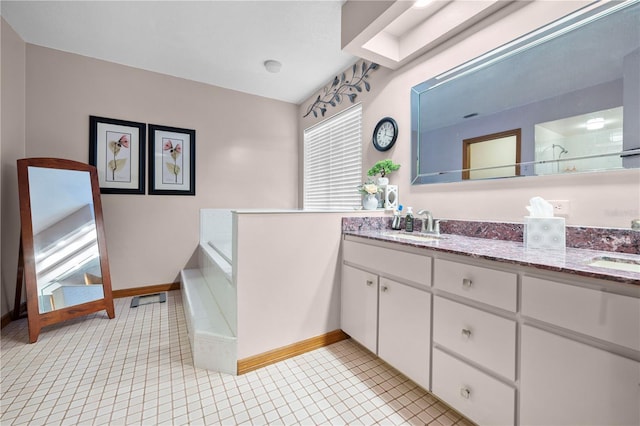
(383, 168)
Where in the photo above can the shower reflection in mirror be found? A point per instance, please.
(582, 142)
(65, 242)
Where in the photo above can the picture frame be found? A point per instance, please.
(172, 160)
(117, 150)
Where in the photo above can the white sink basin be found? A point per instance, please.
(414, 237)
(620, 264)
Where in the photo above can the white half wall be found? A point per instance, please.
(287, 271)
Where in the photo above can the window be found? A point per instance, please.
(333, 162)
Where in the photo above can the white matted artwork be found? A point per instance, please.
(171, 160)
(116, 149)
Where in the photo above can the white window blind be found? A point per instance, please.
(333, 162)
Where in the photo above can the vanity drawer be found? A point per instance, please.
(480, 336)
(497, 288)
(473, 393)
(395, 263)
(600, 314)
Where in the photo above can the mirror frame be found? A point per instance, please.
(570, 21)
(27, 266)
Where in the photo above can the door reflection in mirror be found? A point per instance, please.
(492, 156)
(66, 254)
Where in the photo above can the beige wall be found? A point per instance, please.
(599, 199)
(246, 148)
(12, 147)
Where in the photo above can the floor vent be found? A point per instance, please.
(148, 298)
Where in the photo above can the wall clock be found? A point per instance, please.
(385, 134)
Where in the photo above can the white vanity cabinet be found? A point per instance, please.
(565, 382)
(359, 307)
(386, 306)
(474, 338)
(403, 330)
(577, 356)
(509, 344)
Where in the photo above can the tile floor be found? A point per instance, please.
(137, 369)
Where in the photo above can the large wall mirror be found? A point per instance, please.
(572, 89)
(63, 256)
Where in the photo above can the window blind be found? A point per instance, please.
(333, 162)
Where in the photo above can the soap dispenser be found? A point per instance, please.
(395, 224)
(408, 220)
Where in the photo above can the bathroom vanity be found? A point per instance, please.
(501, 334)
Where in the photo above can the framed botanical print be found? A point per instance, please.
(172, 161)
(117, 150)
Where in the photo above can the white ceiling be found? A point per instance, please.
(223, 43)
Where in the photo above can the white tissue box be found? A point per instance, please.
(544, 232)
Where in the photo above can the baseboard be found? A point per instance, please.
(127, 292)
(139, 291)
(6, 319)
(267, 358)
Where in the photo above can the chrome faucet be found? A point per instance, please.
(635, 224)
(429, 226)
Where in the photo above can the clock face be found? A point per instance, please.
(385, 134)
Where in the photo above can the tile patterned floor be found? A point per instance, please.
(137, 369)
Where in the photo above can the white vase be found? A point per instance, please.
(383, 181)
(370, 202)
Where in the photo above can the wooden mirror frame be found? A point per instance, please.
(26, 261)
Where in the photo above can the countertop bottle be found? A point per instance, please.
(408, 220)
(395, 224)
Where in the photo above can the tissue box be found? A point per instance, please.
(544, 232)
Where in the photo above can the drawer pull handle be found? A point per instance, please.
(465, 393)
(369, 283)
(384, 288)
(466, 333)
(467, 283)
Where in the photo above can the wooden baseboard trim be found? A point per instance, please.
(139, 291)
(6, 319)
(267, 358)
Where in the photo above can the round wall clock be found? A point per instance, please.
(385, 134)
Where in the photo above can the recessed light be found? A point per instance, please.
(595, 123)
(272, 65)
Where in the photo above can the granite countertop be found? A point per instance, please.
(572, 260)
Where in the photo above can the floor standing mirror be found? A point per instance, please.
(63, 256)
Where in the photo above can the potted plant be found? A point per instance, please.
(383, 168)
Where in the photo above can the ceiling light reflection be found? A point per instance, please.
(595, 123)
(421, 3)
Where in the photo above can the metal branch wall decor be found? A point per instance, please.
(341, 88)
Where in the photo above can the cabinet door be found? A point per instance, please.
(565, 382)
(404, 329)
(359, 308)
